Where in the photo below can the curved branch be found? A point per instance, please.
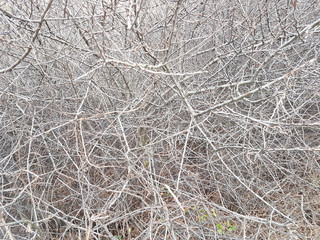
(34, 37)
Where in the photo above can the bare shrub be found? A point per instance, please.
(159, 119)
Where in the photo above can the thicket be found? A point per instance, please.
(159, 119)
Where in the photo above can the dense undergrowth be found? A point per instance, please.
(159, 120)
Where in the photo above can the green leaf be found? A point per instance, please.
(220, 226)
(232, 228)
(220, 231)
(213, 212)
